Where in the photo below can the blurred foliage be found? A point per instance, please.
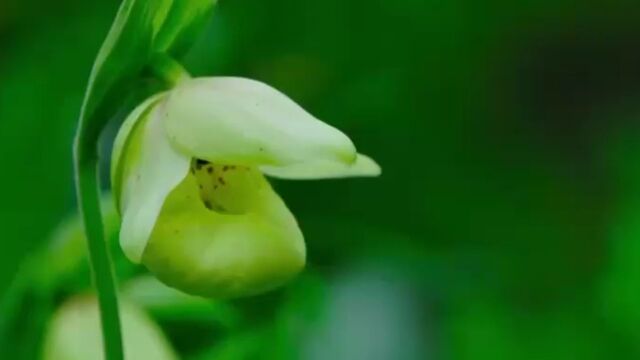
(505, 225)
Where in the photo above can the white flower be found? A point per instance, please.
(188, 175)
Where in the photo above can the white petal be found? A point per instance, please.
(122, 141)
(151, 168)
(245, 122)
(364, 166)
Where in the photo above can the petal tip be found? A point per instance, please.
(367, 166)
(131, 248)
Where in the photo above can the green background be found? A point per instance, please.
(506, 224)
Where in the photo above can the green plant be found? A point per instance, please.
(189, 165)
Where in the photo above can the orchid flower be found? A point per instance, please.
(188, 174)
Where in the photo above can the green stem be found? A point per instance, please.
(86, 168)
(86, 159)
(168, 70)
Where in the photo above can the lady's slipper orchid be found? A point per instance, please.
(188, 175)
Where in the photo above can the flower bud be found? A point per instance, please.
(74, 333)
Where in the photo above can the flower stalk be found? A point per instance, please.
(88, 193)
(168, 70)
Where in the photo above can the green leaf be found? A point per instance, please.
(182, 26)
(123, 55)
(141, 29)
(169, 304)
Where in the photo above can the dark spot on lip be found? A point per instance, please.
(221, 181)
(200, 186)
(200, 163)
(207, 204)
(209, 169)
(225, 168)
